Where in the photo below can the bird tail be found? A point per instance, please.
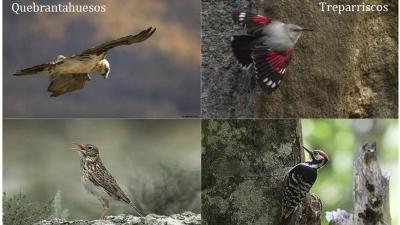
(32, 70)
(241, 47)
(136, 209)
(285, 219)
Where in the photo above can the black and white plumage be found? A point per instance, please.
(268, 45)
(70, 73)
(298, 182)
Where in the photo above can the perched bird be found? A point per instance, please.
(268, 45)
(70, 73)
(298, 182)
(98, 181)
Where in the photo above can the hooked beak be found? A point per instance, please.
(81, 147)
(105, 75)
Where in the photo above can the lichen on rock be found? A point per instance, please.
(186, 218)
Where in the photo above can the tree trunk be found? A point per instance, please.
(370, 193)
(346, 68)
(243, 166)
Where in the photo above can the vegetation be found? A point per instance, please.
(175, 190)
(17, 210)
(342, 139)
(57, 210)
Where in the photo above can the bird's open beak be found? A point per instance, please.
(80, 147)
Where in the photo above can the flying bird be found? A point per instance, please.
(98, 181)
(68, 74)
(268, 44)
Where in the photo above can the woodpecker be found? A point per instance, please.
(268, 44)
(298, 182)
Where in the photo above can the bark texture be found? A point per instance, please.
(243, 166)
(370, 193)
(186, 218)
(346, 68)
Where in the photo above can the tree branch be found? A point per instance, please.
(370, 193)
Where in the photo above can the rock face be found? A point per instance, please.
(346, 67)
(187, 218)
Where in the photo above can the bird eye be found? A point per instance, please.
(90, 147)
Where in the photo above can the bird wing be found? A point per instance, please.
(253, 22)
(63, 83)
(34, 69)
(127, 40)
(270, 66)
(109, 184)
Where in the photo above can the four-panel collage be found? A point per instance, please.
(200, 112)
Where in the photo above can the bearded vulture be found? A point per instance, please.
(70, 73)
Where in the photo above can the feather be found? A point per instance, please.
(127, 40)
(64, 83)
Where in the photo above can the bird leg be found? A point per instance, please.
(103, 211)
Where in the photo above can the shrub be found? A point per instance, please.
(17, 211)
(174, 191)
(57, 211)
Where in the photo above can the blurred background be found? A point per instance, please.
(342, 140)
(156, 78)
(156, 162)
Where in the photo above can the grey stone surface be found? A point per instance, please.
(346, 68)
(186, 218)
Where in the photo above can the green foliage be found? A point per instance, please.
(342, 139)
(17, 211)
(57, 210)
(174, 191)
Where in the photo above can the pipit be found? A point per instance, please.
(98, 181)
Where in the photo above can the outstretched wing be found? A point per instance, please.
(270, 66)
(34, 69)
(127, 40)
(61, 84)
(253, 22)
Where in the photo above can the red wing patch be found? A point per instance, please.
(253, 22)
(260, 19)
(270, 66)
(278, 62)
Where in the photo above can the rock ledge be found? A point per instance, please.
(186, 218)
